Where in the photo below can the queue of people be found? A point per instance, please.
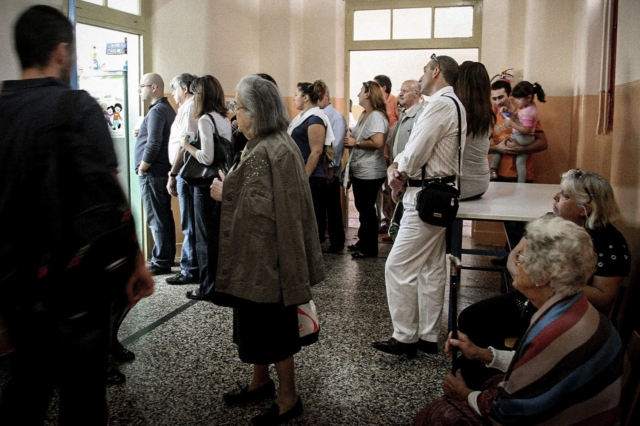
(251, 244)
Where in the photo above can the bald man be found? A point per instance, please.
(153, 168)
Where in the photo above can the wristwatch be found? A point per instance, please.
(172, 174)
(358, 144)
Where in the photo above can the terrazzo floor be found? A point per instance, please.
(185, 359)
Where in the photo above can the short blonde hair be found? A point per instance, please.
(560, 251)
(591, 188)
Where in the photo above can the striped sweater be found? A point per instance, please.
(566, 371)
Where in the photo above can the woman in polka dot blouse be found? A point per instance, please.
(587, 199)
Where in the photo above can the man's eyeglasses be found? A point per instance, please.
(403, 91)
(578, 174)
(145, 85)
(435, 58)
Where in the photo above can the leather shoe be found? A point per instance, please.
(242, 395)
(158, 270)
(115, 377)
(122, 354)
(428, 347)
(180, 279)
(272, 416)
(393, 347)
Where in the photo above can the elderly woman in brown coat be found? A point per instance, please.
(270, 254)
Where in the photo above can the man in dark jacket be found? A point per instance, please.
(68, 246)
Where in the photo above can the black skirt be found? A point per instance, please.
(265, 333)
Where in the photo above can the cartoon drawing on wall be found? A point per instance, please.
(117, 109)
(108, 113)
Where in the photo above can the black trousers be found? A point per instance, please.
(319, 193)
(207, 217)
(334, 215)
(52, 353)
(488, 323)
(365, 193)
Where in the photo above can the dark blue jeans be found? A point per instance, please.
(157, 206)
(207, 215)
(188, 256)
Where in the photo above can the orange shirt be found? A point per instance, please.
(392, 102)
(507, 168)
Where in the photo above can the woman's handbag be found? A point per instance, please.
(308, 323)
(197, 174)
(437, 202)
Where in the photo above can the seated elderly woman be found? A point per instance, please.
(586, 199)
(567, 368)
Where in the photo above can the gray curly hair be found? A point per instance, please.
(560, 251)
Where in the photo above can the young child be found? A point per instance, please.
(523, 123)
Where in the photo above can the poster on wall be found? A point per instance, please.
(108, 90)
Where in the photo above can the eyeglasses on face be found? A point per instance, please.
(403, 91)
(145, 85)
(579, 175)
(236, 108)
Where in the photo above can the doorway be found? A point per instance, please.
(108, 63)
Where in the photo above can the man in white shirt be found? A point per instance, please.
(334, 206)
(185, 122)
(415, 271)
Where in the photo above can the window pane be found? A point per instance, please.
(399, 65)
(412, 23)
(453, 22)
(129, 6)
(100, 2)
(372, 25)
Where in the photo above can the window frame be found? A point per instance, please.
(352, 6)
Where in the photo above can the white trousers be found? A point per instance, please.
(415, 275)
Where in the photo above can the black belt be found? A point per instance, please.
(417, 183)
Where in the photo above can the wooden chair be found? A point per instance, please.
(629, 408)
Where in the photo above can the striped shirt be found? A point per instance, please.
(566, 371)
(434, 138)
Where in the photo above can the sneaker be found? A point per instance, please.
(180, 279)
(158, 270)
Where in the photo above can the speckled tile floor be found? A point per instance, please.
(185, 362)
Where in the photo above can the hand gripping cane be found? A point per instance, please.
(454, 283)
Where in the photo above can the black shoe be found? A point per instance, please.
(501, 261)
(122, 354)
(115, 377)
(158, 270)
(353, 247)
(242, 395)
(180, 279)
(428, 347)
(393, 347)
(334, 250)
(272, 416)
(190, 295)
